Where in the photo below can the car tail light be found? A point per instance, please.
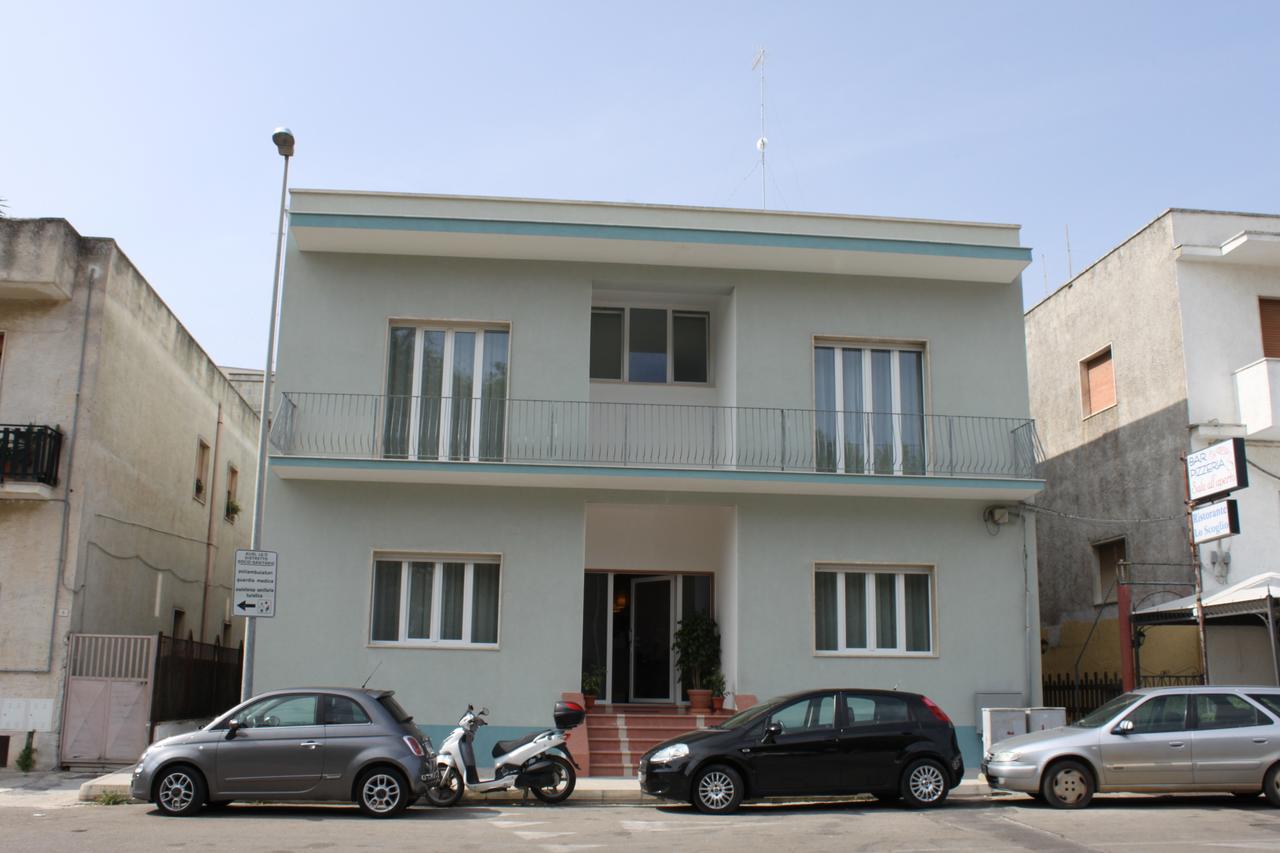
(935, 710)
(414, 746)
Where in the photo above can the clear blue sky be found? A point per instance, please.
(151, 123)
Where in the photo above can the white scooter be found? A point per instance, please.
(527, 763)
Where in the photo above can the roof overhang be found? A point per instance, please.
(1252, 248)
(1251, 597)
(521, 229)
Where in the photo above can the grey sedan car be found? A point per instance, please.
(1154, 740)
(331, 744)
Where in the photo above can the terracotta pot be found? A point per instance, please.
(700, 700)
(589, 699)
(717, 703)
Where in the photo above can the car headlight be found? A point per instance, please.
(1005, 757)
(669, 753)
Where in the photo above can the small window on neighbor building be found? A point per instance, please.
(179, 623)
(1108, 555)
(202, 469)
(1269, 313)
(233, 482)
(1098, 382)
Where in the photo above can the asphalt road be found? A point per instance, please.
(1118, 823)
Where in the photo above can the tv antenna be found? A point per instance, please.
(762, 142)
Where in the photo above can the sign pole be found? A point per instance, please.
(1199, 572)
(284, 144)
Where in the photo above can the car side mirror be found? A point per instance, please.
(771, 731)
(484, 712)
(233, 726)
(1123, 728)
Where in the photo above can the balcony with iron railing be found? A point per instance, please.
(29, 460)
(457, 439)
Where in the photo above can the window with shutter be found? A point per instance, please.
(1269, 311)
(1098, 383)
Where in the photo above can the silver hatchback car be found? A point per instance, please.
(331, 744)
(1161, 739)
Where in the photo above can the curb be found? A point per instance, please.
(118, 783)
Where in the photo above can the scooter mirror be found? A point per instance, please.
(484, 712)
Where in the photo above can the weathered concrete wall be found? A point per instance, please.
(135, 546)
(1123, 462)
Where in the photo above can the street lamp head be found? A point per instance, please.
(283, 138)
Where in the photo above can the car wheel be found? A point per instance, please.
(1271, 785)
(180, 791)
(1068, 785)
(717, 790)
(383, 792)
(566, 780)
(924, 783)
(449, 790)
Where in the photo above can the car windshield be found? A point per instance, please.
(749, 714)
(401, 715)
(1107, 711)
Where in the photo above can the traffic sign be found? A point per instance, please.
(255, 587)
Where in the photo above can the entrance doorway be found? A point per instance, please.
(629, 622)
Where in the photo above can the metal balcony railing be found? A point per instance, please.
(30, 453)
(480, 430)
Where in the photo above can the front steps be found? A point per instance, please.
(618, 735)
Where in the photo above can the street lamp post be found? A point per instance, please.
(283, 139)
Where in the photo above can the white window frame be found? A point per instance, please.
(437, 587)
(671, 311)
(895, 394)
(446, 373)
(841, 570)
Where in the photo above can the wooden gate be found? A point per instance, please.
(108, 700)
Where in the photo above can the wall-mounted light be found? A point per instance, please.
(619, 602)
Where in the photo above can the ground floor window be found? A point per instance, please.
(870, 610)
(425, 600)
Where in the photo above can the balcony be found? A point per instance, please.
(652, 446)
(1258, 399)
(29, 460)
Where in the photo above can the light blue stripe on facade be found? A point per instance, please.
(662, 235)
(1031, 486)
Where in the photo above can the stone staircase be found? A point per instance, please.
(618, 735)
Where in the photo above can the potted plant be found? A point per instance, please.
(697, 648)
(233, 508)
(715, 683)
(592, 685)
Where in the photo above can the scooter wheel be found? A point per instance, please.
(448, 792)
(566, 779)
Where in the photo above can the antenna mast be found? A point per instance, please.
(762, 142)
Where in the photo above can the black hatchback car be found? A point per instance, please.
(897, 746)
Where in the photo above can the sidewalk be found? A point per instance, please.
(43, 789)
(604, 790)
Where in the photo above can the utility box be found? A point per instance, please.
(1001, 723)
(1040, 719)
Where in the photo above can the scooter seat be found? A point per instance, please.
(502, 747)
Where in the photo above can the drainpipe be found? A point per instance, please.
(70, 444)
(210, 549)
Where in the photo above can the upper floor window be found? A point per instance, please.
(446, 393)
(1108, 556)
(1269, 314)
(1097, 382)
(232, 508)
(202, 469)
(870, 408)
(653, 345)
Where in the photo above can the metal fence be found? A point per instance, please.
(30, 453)
(1093, 690)
(194, 680)
(367, 426)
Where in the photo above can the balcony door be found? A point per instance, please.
(446, 393)
(870, 409)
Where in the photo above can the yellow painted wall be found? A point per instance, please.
(1168, 649)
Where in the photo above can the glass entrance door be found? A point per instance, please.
(652, 628)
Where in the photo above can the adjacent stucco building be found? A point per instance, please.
(1164, 346)
(123, 450)
(519, 440)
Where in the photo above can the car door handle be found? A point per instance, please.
(309, 744)
(1259, 740)
(1176, 744)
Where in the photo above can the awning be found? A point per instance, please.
(1250, 597)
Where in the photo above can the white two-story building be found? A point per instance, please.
(518, 440)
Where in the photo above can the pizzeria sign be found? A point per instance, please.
(1217, 470)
